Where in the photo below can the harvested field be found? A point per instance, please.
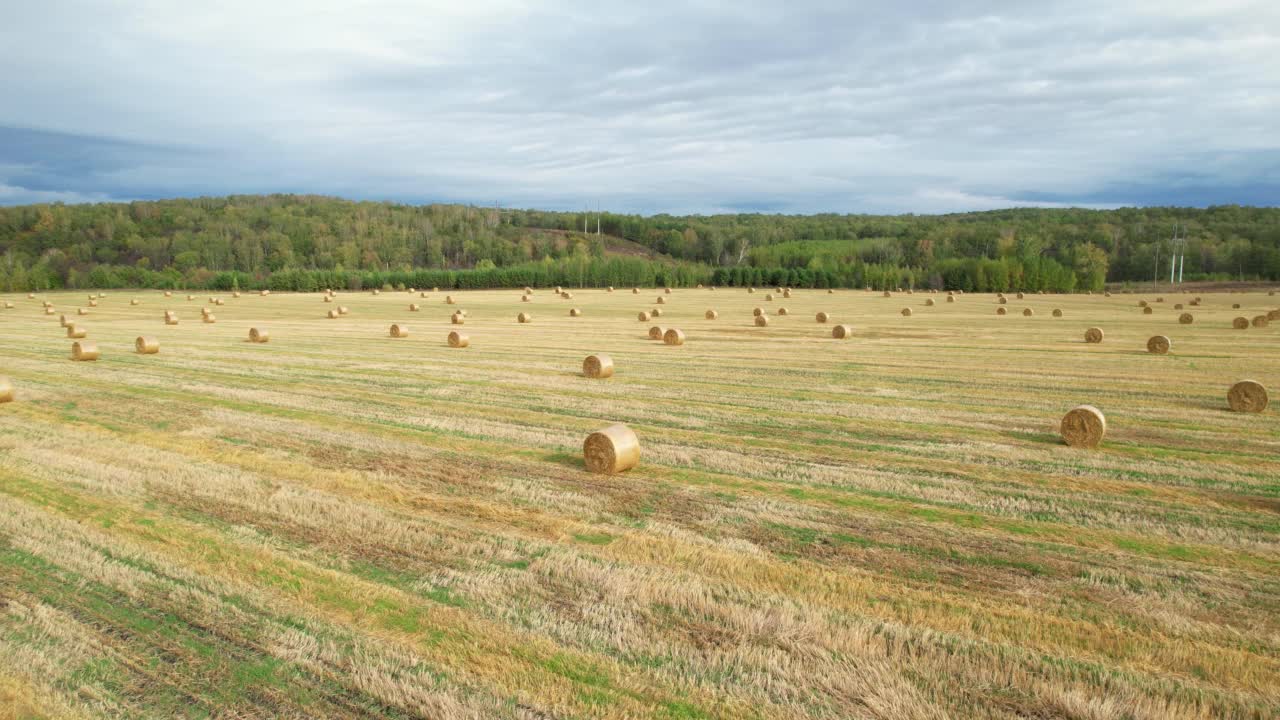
(342, 524)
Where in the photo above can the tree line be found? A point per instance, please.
(296, 242)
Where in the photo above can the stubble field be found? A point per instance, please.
(339, 523)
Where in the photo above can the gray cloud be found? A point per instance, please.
(663, 106)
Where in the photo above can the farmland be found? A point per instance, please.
(339, 523)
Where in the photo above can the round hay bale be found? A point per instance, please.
(751, 291)
(1247, 396)
(673, 336)
(93, 303)
(1240, 323)
(668, 290)
(457, 318)
(235, 294)
(1177, 306)
(458, 340)
(1093, 335)
(1186, 318)
(64, 321)
(333, 315)
(528, 290)
(213, 301)
(1273, 315)
(1147, 310)
(219, 301)
(762, 321)
(831, 292)
(1159, 299)
(1028, 312)
(635, 291)
(757, 312)
(399, 331)
(259, 335)
(264, 293)
(661, 300)
(146, 345)
(1235, 306)
(612, 450)
(1002, 300)
(887, 294)
(610, 289)
(951, 298)
(1057, 312)
(8, 305)
(598, 366)
(76, 332)
(1259, 321)
(190, 298)
(1158, 345)
(84, 351)
(782, 311)
(768, 297)
(575, 312)
(656, 312)
(343, 309)
(413, 307)
(1142, 303)
(49, 311)
(524, 318)
(711, 315)
(31, 296)
(642, 316)
(524, 298)
(928, 302)
(6, 390)
(1083, 426)
(449, 299)
(377, 291)
(559, 289)
(205, 311)
(435, 289)
(133, 301)
(209, 318)
(1001, 311)
(82, 311)
(170, 319)
(168, 293)
(1106, 294)
(1020, 296)
(566, 295)
(657, 332)
(423, 295)
(822, 317)
(327, 298)
(842, 332)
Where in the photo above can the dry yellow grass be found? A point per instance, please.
(885, 527)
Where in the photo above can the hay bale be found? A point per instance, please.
(751, 291)
(205, 311)
(643, 317)
(264, 293)
(559, 289)
(1083, 426)
(327, 298)
(1028, 312)
(168, 293)
(8, 305)
(1158, 345)
(524, 318)
(190, 298)
(146, 345)
(399, 331)
(661, 300)
(782, 311)
(951, 298)
(1159, 299)
(786, 293)
(928, 302)
(1093, 335)
(762, 321)
(575, 312)
(822, 317)
(1247, 396)
(1142, 303)
(213, 301)
(657, 332)
(170, 318)
(610, 289)
(711, 315)
(1002, 300)
(93, 303)
(458, 340)
(1020, 296)
(1235, 306)
(333, 315)
(1259, 321)
(598, 366)
(612, 450)
(64, 321)
(1177, 306)
(842, 332)
(1240, 323)
(635, 291)
(668, 290)
(343, 309)
(31, 296)
(219, 302)
(656, 312)
(6, 390)
(566, 295)
(1147, 310)
(448, 299)
(768, 297)
(457, 318)
(1057, 312)
(830, 291)
(413, 307)
(422, 295)
(1001, 311)
(524, 298)
(528, 290)
(673, 336)
(435, 289)
(209, 318)
(76, 332)
(235, 294)
(84, 351)
(377, 291)
(133, 301)
(757, 311)
(259, 335)
(49, 311)
(1273, 315)
(82, 311)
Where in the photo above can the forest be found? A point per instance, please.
(303, 242)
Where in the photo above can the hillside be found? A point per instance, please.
(301, 242)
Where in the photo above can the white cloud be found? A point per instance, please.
(880, 106)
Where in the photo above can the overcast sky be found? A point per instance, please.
(683, 106)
